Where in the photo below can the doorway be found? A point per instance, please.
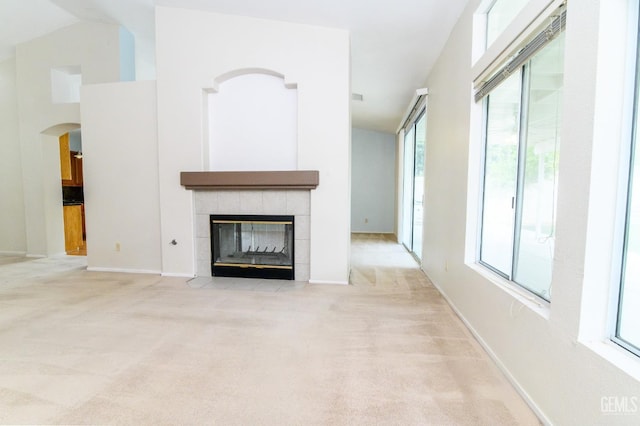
(71, 175)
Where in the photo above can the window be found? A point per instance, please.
(500, 174)
(500, 15)
(522, 136)
(627, 332)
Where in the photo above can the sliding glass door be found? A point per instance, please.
(407, 202)
(413, 183)
(418, 186)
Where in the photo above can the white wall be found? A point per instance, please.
(65, 84)
(52, 190)
(253, 124)
(94, 47)
(12, 225)
(373, 181)
(120, 156)
(537, 346)
(193, 49)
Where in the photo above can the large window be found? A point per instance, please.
(522, 137)
(627, 330)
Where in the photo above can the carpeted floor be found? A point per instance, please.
(80, 347)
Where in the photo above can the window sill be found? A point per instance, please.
(534, 303)
(616, 355)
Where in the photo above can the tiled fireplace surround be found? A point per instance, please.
(254, 193)
(259, 202)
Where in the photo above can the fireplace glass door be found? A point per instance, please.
(252, 246)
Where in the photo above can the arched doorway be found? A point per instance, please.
(63, 189)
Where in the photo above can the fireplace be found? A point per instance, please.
(252, 193)
(252, 246)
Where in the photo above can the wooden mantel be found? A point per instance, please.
(286, 179)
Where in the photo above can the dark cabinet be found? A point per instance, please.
(76, 177)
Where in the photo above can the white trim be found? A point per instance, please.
(525, 297)
(507, 374)
(13, 253)
(124, 270)
(36, 256)
(374, 232)
(328, 282)
(176, 275)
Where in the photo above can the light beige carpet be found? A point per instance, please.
(80, 347)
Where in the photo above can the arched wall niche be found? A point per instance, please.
(213, 86)
(251, 122)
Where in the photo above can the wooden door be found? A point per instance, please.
(72, 227)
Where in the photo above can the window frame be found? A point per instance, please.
(628, 172)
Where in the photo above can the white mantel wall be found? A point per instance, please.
(194, 48)
(270, 142)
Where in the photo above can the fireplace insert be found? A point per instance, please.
(252, 246)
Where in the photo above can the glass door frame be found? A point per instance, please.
(408, 184)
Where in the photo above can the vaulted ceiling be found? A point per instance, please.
(393, 44)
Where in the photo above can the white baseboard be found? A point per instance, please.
(373, 232)
(514, 382)
(328, 282)
(36, 256)
(171, 274)
(123, 270)
(13, 253)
